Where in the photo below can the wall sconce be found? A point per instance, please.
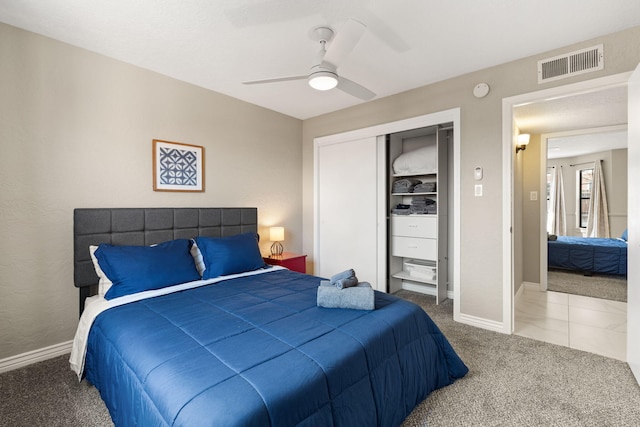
(276, 235)
(523, 141)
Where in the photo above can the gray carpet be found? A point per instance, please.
(597, 286)
(513, 381)
(49, 394)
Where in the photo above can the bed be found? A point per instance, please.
(247, 348)
(589, 254)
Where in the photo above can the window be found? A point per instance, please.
(585, 181)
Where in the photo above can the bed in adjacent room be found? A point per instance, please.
(237, 343)
(589, 254)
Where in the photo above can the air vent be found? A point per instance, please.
(571, 64)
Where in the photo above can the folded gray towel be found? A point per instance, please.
(344, 275)
(349, 282)
(360, 297)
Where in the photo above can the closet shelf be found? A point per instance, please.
(432, 193)
(414, 215)
(406, 276)
(405, 175)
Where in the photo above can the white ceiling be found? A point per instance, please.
(581, 124)
(578, 145)
(217, 44)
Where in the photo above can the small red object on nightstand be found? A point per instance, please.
(290, 260)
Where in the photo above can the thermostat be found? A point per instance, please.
(477, 173)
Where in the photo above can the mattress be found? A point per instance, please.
(257, 351)
(588, 254)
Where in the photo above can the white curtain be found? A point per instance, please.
(598, 218)
(556, 213)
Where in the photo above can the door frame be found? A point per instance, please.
(508, 172)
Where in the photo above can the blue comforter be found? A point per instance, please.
(257, 351)
(589, 254)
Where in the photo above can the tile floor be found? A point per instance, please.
(589, 324)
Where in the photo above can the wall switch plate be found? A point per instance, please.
(533, 195)
(478, 190)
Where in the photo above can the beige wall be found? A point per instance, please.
(531, 169)
(617, 192)
(481, 145)
(76, 131)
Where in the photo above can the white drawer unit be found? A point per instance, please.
(415, 226)
(411, 247)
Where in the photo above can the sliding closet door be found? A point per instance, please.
(347, 208)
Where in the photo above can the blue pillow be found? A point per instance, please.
(134, 269)
(625, 236)
(230, 255)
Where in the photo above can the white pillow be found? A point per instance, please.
(421, 160)
(103, 283)
(197, 257)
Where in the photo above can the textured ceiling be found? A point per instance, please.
(579, 121)
(217, 44)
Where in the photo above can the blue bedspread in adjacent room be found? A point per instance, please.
(257, 351)
(588, 254)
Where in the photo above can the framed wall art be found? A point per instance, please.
(177, 166)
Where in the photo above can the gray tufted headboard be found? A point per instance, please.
(147, 226)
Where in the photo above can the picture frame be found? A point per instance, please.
(177, 166)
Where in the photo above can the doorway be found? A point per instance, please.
(585, 312)
(565, 157)
(512, 214)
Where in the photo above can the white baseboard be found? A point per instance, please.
(31, 357)
(479, 322)
(530, 285)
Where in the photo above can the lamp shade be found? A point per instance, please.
(523, 139)
(276, 234)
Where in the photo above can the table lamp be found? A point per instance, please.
(276, 235)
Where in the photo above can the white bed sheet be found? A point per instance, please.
(97, 304)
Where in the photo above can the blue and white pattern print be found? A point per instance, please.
(178, 167)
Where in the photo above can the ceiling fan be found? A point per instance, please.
(324, 72)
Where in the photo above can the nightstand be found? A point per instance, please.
(290, 260)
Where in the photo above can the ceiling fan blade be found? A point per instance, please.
(277, 79)
(354, 89)
(344, 42)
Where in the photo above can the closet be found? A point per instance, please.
(357, 221)
(418, 244)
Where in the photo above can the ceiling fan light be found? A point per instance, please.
(323, 80)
